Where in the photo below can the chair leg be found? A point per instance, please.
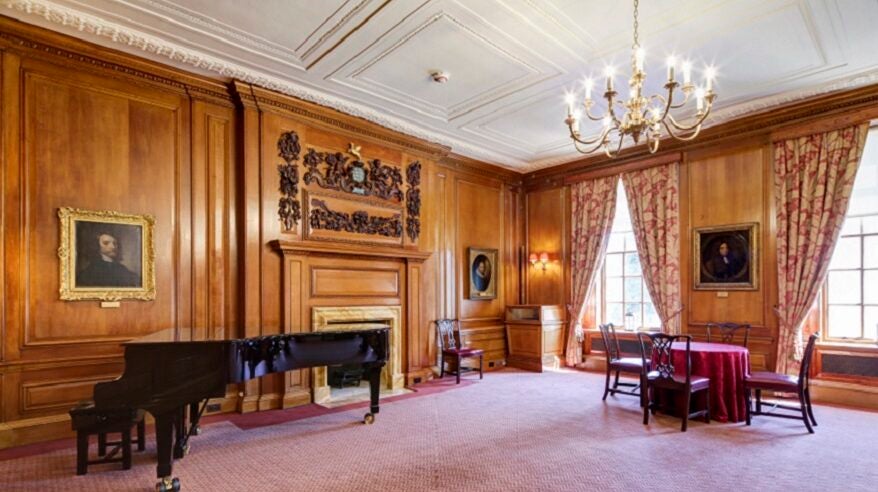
(646, 405)
(810, 410)
(643, 391)
(441, 366)
(758, 401)
(126, 449)
(102, 443)
(707, 405)
(141, 432)
(748, 396)
(616, 381)
(607, 383)
(805, 417)
(481, 366)
(81, 453)
(686, 402)
(458, 369)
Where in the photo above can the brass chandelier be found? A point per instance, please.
(643, 116)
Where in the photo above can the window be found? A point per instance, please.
(851, 305)
(620, 292)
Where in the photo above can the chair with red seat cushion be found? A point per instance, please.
(618, 364)
(449, 345)
(772, 381)
(662, 376)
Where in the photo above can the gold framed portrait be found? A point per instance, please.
(106, 255)
(483, 273)
(726, 257)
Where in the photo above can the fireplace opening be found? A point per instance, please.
(339, 385)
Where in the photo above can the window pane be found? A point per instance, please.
(633, 289)
(851, 226)
(614, 289)
(632, 264)
(613, 265)
(650, 317)
(636, 316)
(870, 224)
(616, 244)
(870, 287)
(846, 254)
(844, 322)
(870, 252)
(630, 242)
(615, 314)
(844, 287)
(870, 326)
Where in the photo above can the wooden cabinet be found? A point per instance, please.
(535, 335)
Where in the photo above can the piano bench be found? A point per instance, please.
(88, 420)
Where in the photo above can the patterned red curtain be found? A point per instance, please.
(654, 202)
(594, 205)
(813, 180)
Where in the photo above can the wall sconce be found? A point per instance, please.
(543, 258)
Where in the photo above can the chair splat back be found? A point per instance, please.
(446, 329)
(661, 356)
(611, 343)
(727, 332)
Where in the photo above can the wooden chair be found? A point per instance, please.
(662, 376)
(618, 364)
(726, 333)
(772, 381)
(86, 420)
(449, 345)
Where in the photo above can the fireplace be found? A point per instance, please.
(360, 318)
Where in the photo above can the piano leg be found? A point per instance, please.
(164, 438)
(374, 375)
(181, 444)
(194, 417)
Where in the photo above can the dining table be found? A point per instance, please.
(726, 366)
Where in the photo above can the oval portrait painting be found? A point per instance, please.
(481, 273)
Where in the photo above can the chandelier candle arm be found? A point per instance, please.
(641, 117)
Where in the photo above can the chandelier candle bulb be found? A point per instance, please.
(569, 100)
(588, 84)
(610, 71)
(671, 62)
(687, 73)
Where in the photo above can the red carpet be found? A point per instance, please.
(513, 431)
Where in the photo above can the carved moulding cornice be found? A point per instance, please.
(69, 18)
(75, 53)
(358, 222)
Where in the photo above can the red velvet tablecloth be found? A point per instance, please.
(725, 366)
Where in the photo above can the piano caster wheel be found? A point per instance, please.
(196, 430)
(168, 484)
(186, 450)
(369, 419)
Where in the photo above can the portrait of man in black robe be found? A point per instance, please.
(100, 260)
(726, 257)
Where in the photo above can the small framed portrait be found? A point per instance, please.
(483, 273)
(106, 256)
(726, 257)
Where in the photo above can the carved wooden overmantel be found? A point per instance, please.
(321, 274)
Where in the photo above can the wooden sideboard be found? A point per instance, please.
(535, 336)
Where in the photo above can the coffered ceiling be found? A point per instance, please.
(510, 61)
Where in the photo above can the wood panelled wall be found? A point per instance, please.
(88, 127)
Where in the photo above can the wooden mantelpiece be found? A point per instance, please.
(322, 275)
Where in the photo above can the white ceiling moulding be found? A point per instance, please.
(71, 19)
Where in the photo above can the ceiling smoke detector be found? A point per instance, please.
(440, 77)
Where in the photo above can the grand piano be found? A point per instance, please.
(167, 378)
